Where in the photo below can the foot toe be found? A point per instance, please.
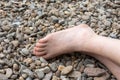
(38, 49)
(40, 53)
(40, 45)
(43, 40)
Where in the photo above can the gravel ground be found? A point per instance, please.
(23, 22)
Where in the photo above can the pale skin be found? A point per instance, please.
(81, 38)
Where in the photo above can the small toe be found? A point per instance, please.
(40, 53)
(41, 45)
(38, 49)
(43, 40)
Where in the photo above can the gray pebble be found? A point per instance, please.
(28, 72)
(24, 51)
(40, 73)
(53, 67)
(43, 60)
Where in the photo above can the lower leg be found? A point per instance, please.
(114, 68)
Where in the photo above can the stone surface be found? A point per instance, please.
(94, 71)
(40, 73)
(53, 66)
(66, 70)
(75, 74)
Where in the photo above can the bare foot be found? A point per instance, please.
(65, 41)
(114, 68)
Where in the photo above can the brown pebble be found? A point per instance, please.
(15, 66)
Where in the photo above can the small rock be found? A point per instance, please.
(1, 48)
(104, 77)
(48, 76)
(15, 66)
(95, 72)
(28, 72)
(24, 51)
(85, 17)
(40, 73)
(13, 77)
(67, 13)
(61, 67)
(21, 78)
(55, 78)
(24, 75)
(67, 70)
(6, 28)
(53, 67)
(28, 61)
(29, 78)
(115, 25)
(2, 55)
(38, 63)
(8, 72)
(75, 74)
(3, 77)
(43, 60)
(46, 69)
(15, 43)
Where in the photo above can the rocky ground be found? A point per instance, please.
(23, 22)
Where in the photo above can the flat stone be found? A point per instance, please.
(67, 70)
(104, 77)
(48, 76)
(46, 69)
(75, 74)
(15, 43)
(29, 78)
(94, 72)
(28, 72)
(6, 28)
(40, 73)
(53, 67)
(24, 51)
(8, 72)
(1, 48)
(43, 60)
(3, 77)
(55, 78)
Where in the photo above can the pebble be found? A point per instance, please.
(94, 72)
(3, 77)
(67, 70)
(61, 67)
(24, 51)
(29, 78)
(55, 78)
(75, 74)
(46, 69)
(40, 73)
(106, 76)
(43, 60)
(28, 61)
(15, 66)
(2, 55)
(6, 28)
(28, 72)
(15, 43)
(38, 62)
(9, 72)
(48, 76)
(53, 67)
(24, 75)
(1, 48)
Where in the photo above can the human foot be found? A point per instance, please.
(65, 41)
(114, 68)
